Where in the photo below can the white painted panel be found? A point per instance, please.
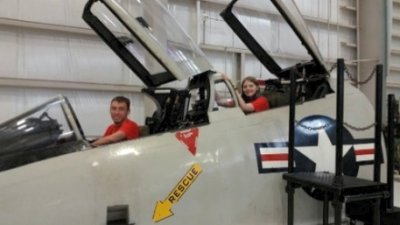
(222, 61)
(321, 37)
(393, 77)
(324, 9)
(348, 17)
(59, 56)
(254, 68)
(289, 43)
(347, 53)
(307, 8)
(395, 43)
(9, 8)
(395, 60)
(54, 11)
(348, 35)
(218, 33)
(44, 56)
(185, 13)
(326, 39)
(396, 10)
(333, 44)
(8, 53)
(63, 12)
(74, 13)
(396, 25)
(264, 28)
(93, 61)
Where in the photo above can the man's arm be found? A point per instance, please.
(115, 137)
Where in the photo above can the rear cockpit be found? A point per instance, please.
(311, 73)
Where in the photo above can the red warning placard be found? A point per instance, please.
(189, 137)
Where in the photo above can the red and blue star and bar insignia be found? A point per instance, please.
(315, 149)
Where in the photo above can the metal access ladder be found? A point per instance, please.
(369, 201)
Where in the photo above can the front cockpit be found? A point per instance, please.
(48, 130)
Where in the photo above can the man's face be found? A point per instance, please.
(119, 111)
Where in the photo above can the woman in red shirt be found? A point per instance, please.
(251, 100)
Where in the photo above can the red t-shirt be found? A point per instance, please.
(260, 104)
(129, 127)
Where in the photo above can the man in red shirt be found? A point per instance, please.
(122, 128)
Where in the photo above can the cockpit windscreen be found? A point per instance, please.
(46, 131)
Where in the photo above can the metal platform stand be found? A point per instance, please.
(336, 187)
(392, 214)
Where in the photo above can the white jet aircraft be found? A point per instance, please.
(203, 162)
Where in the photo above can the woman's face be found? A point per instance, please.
(249, 88)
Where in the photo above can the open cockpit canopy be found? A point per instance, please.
(263, 43)
(147, 38)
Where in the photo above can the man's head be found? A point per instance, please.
(119, 109)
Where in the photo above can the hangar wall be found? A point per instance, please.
(371, 45)
(47, 50)
(393, 47)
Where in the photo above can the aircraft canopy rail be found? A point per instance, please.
(147, 38)
(258, 42)
(46, 131)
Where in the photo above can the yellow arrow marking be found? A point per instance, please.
(163, 208)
